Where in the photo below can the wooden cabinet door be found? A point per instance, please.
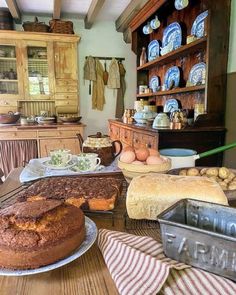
(11, 73)
(38, 69)
(47, 145)
(65, 60)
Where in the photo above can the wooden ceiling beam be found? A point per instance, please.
(14, 10)
(122, 22)
(57, 9)
(94, 8)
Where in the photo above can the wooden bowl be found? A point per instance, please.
(230, 194)
(70, 119)
(132, 170)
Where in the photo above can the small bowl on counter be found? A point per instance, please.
(10, 118)
(70, 120)
(45, 120)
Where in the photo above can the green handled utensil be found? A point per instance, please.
(215, 151)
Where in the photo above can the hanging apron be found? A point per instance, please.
(120, 106)
(98, 97)
(90, 70)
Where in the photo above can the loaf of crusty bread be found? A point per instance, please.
(149, 195)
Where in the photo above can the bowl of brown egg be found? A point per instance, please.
(226, 177)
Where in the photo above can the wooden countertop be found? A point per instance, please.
(87, 274)
(148, 128)
(37, 126)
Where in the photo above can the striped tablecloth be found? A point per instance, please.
(138, 266)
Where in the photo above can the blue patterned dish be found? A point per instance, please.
(172, 33)
(154, 83)
(153, 50)
(172, 74)
(90, 238)
(199, 25)
(171, 105)
(197, 73)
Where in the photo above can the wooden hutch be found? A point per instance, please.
(38, 72)
(208, 130)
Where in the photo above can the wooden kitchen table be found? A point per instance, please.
(87, 274)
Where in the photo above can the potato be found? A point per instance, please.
(183, 172)
(192, 172)
(229, 178)
(223, 185)
(216, 178)
(232, 186)
(212, 172)
(203, 171)
(224, 172)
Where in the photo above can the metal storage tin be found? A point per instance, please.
(201, 234)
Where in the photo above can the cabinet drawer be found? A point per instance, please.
(126, 136)
(70, 102)
(66, 96)
(144, 140)
(47, 145)
(18, 135)
(8, 102)
(66, 85)
(114, 132)
(57, 133)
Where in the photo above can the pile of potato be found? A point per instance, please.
(224, 176)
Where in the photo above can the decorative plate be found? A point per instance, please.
(172, 74)
(154, 83)
(172, 33)
(90, 238)
(153, 50)
(199, 25)
(171, 105)
(197, 73)
(50, 166)
(181, 4)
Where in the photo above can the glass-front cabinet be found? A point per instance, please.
(37, 70)
(10, 71)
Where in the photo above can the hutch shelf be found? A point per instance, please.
(211, 48)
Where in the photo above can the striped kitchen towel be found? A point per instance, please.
(138, 266)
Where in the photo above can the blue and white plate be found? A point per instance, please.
(172, 74)
(154, 83)
(171, 105)
(172, 33)
(153, 50)
(199, 24)
(90, 238)
(197, 73)
(181, 4)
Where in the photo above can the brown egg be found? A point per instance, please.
(136, 162)
(142, 154)
(153, 152)
(127, 157)
(154, 160)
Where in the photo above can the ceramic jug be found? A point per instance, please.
(101, 145)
